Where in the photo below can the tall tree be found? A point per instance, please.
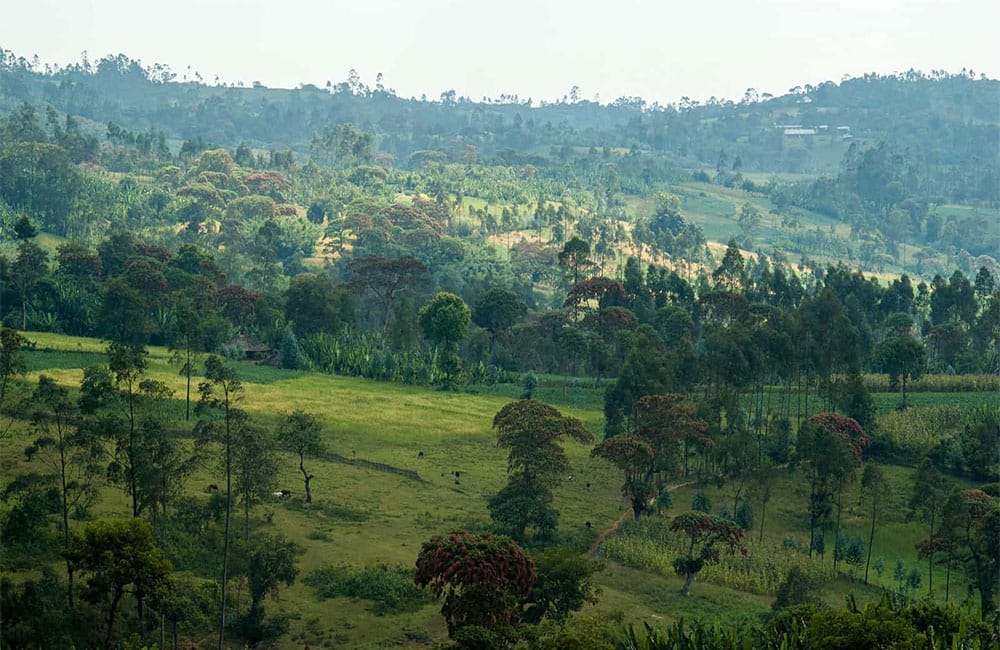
(223, 421)
(266, 561)
(70, 454)
(927, 502)
(662, 424)
(873, 485)
(972, 524)
(12, 360)
(28, 269)
(829, 446)
(445, 321)
(127, 364)
(902, 358)
(575, 258)
(387, 280)
(536, 463)
(115, 555)
(497, 311)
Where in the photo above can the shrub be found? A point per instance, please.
(390, 588)
(744, 515)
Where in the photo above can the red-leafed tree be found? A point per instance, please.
(662, 423)
(707, 534)
(484, 579)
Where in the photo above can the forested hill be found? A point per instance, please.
(890, 174)
(945, 124)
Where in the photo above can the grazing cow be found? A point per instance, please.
(420, 455)
(212, 488)
(587, 525)
(281, 494)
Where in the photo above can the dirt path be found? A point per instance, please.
(603, 535)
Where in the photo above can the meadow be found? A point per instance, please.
(387, 484)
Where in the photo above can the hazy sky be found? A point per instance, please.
(534, 48)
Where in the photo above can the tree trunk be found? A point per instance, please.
(763, 513)
(187, 367)
(307, 477)
(840, 508)
(131, 451)
(947, 579)
(688, 579)
(111, 617)
(225, 542)
(65, 513)
(930, 561)
(871, 535)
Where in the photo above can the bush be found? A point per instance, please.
(390, 588)
(797, 588)
(744, 515)
(700, 502)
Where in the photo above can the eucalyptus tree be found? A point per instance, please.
(71, 455)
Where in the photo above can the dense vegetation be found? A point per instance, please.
(626, 263)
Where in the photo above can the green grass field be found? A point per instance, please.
(363, 516)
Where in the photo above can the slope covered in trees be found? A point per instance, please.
(745, 304)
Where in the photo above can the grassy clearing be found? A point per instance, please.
(362, 517)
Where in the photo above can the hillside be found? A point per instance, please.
(388, 483)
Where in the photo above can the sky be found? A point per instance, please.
(660, 51)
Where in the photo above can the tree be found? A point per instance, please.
(536, 463)
(634, 456)
(127, 364)
(220, 394)
(575, 258)
(831, 445)
(731, 274)
(662, 424)
(445, 321)
(484, 579)
(872, 485)
(299, 434)
(313, 305)
(497, 311)
(255, 466)
(386, 280)
(266, 561)
(704, 532)
(116, 555)
(12, 360)
(972, 527)
(71, 455)
(902, 358)
(28, 269)
(565, 584)
(927, 501)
